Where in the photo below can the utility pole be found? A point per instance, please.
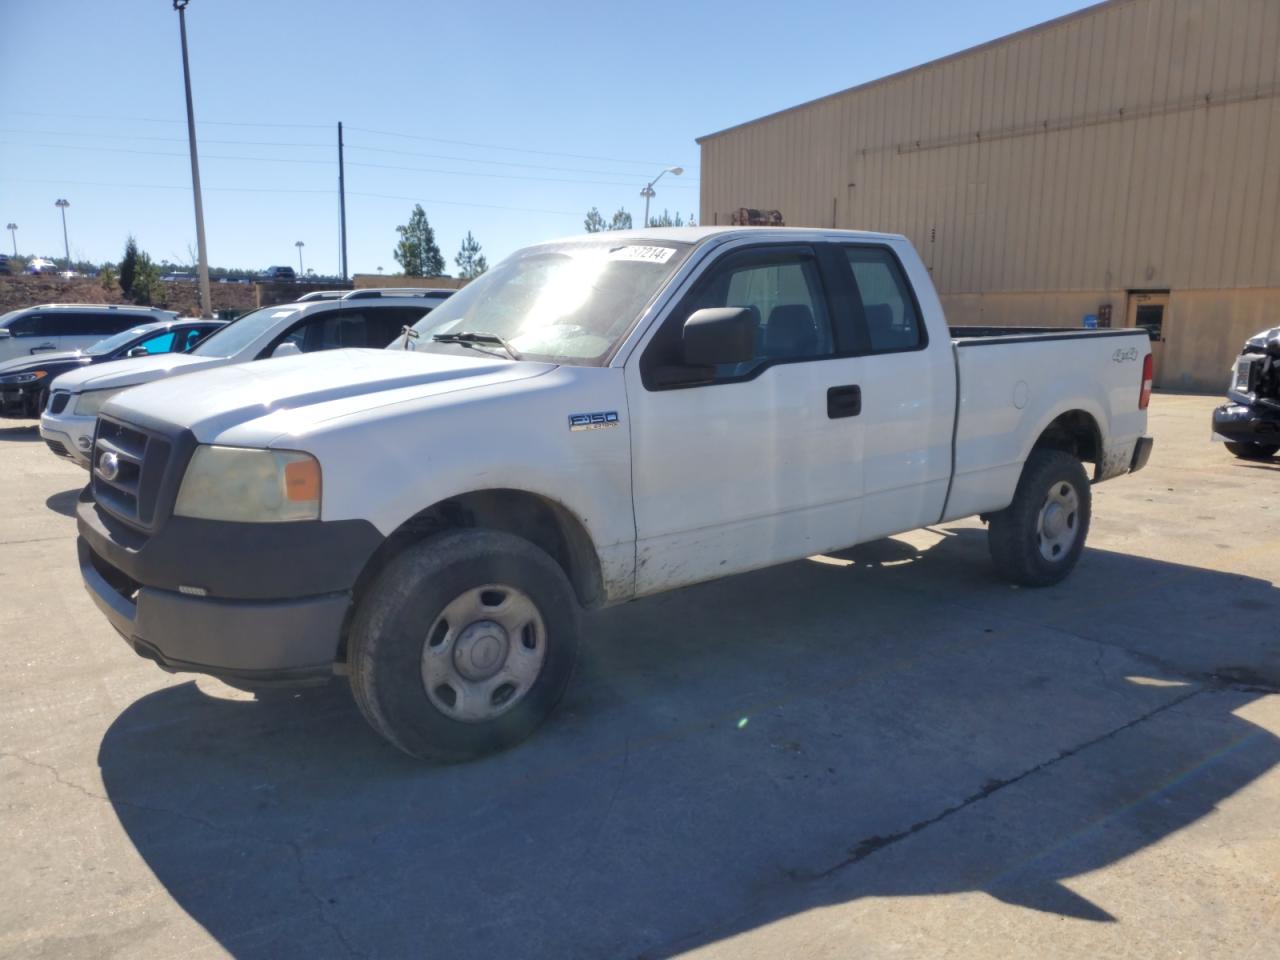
(342, 209)
(13, 232)
(62, 205)
(206, 309)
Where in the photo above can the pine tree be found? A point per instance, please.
(471, 262)
(417, 252)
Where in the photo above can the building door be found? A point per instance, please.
(1151, 310)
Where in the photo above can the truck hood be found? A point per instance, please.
(288, 395)
(118, 374)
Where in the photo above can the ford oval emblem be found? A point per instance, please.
(108, 466)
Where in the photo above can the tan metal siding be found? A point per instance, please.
(1136, 145)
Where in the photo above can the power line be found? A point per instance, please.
(133, 136)
(219, 123)
(351, 163)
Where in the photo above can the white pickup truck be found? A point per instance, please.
(593, 420)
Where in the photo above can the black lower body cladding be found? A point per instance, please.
(252, 603)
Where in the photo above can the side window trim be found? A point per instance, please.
(904, 285)
(802, 252)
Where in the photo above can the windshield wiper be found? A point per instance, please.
(471, 339)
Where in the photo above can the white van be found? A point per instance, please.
(59, 327)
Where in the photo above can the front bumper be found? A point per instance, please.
(1240, 423)
(74, 435)
(206, 597)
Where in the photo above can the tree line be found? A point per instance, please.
(419, 255)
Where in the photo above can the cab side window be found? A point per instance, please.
(160, 343)
(782, 290)
(891, 317)
(33, 325)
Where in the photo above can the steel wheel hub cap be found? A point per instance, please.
(483, 653)
(1058, 524)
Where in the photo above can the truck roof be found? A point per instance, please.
(699, 234)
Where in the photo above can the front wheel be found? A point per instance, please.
(1038, 538)
(1252, 451)
(463, 645)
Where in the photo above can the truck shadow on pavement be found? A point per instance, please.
(26, 433)
(885, 722)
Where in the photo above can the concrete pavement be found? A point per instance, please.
(884, 752)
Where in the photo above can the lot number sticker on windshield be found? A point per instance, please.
(643, 254)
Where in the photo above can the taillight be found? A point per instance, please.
(1144, 397)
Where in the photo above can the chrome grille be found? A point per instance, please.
(58, 402)
(128, 467)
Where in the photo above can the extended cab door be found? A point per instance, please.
(908, 388)
(760, 462)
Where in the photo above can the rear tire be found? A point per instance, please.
(1037, 540)
(1252, 451)
(463, 645)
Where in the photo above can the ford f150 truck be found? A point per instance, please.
(593, 420)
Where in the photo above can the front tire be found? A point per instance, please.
(1037, 540)
(1252, 451)
(463, 645)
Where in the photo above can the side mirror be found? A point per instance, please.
(1273, 346)
(138, 352)
(286, 348)
(716, 335)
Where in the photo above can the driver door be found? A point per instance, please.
(762, 462)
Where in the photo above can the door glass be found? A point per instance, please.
(161, 343)
(890, 314)
(785, 299)
(36, 325)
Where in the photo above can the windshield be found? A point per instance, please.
(238, 334)
(568, 302)
(112, 344)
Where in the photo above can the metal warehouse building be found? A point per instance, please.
(1120, 163)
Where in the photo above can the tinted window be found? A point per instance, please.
(386, 325)
(190, 337)
(783, 291)
(33, 325)
(892, 322)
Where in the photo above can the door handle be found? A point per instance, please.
(44, 346)
(844, 401)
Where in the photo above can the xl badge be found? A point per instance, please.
(593, 421)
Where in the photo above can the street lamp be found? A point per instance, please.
(201, 252)
(648, 194)
(13, 231)
(299, 244)
(66, 247)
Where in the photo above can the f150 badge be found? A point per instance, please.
(593, 421)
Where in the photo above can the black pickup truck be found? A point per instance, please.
(1250, 419)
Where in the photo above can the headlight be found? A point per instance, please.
(89, 403)
(250, 486)
(17, 378)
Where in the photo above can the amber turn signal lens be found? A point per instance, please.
(302, 480)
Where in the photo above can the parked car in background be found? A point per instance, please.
(5, 266)
(61, 327)
(363, 318)
(41, 265)
(590, 421)
(178, 278)
(24, 382)
(1249, 421)
(280, 274)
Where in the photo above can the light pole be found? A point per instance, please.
(66, 247)
(13, 232)
(299, 244)
(205, 304)
(648, 194)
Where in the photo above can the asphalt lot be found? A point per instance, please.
(883, 753)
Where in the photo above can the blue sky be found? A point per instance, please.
(506, 119)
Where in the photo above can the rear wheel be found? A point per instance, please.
(1038, 538)
(464, 644)
(1252, 451)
